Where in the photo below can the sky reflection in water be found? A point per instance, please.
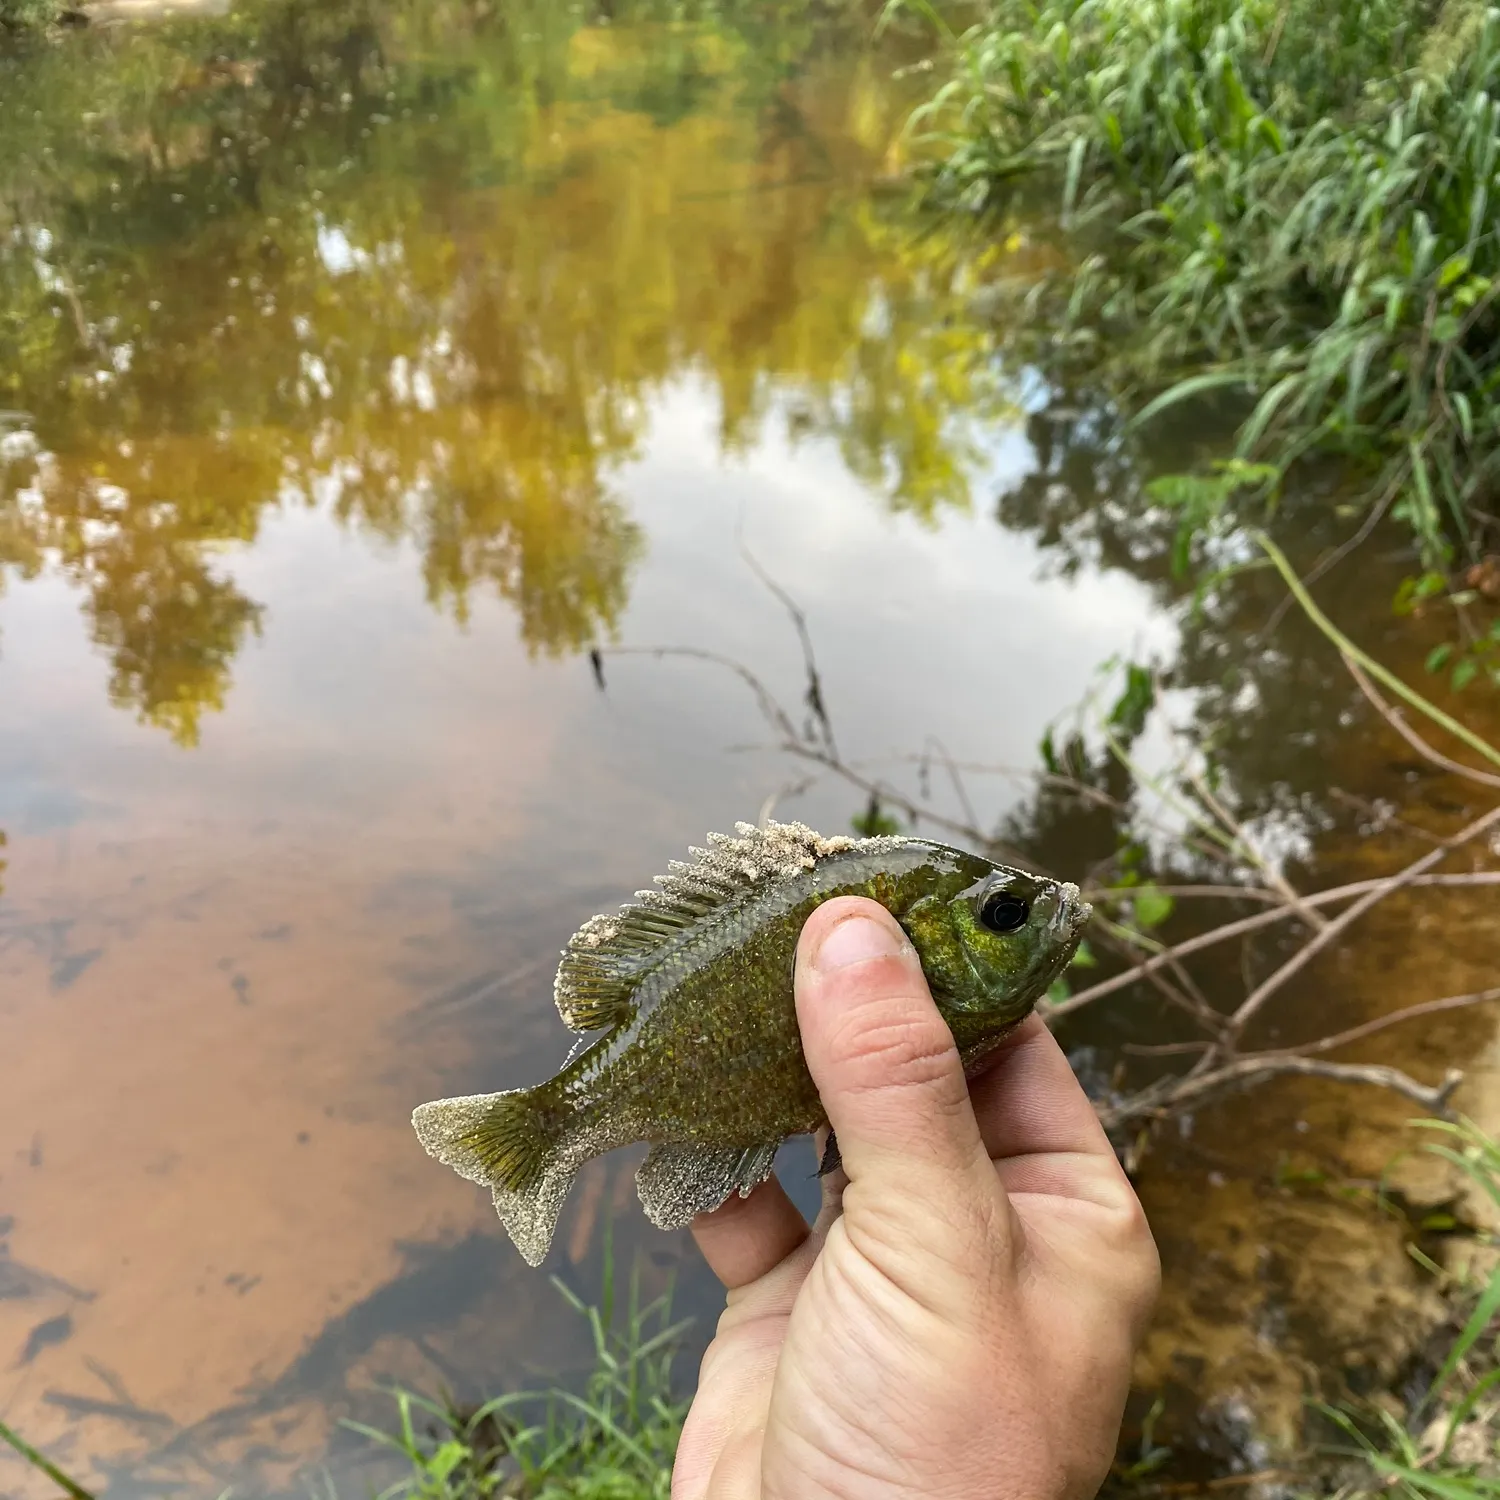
(372, 366)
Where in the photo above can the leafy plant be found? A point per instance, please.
(1286, 203)
(1404, 1456)
(614, 1441)
(25, 15)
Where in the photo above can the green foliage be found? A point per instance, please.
(1137, 699)
(615, 1441)
(875, 821)
(1200, 500)
(43, 1465)
(1060, 989)
(1353, 653)
(27, 15)
(1413, 1458)
(1289, 201)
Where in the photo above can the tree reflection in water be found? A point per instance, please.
(428, 267)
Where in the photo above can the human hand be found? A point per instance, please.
(959, 1322)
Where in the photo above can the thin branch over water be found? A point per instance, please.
(1213, 832)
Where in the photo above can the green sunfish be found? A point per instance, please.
(688, 991)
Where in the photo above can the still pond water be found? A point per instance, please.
(362, 368)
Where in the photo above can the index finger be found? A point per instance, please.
(1038, 1124)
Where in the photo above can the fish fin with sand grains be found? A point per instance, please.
(604, 960)
(512, 1144)
(676, 1183)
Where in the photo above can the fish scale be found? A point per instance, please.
(686, 995)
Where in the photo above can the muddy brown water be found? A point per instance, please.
(361, 368)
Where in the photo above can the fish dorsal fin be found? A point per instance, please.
(600, 967)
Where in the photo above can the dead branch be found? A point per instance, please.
(1228, 930)
(1274, 878)
(1397, 720)
(1218, 1065)
(813, 693)
(788, 789)
(1175, 1095)
(955, 776)
(1396, 1018)
(765, 699)
(1386, 819)
(1299, 960)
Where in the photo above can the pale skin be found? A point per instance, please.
(959, 1322)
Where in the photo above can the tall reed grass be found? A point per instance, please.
(614, 1440)
(1292, 199)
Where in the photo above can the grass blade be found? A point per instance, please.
(45, 1465)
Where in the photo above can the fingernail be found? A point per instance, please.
(856, 939)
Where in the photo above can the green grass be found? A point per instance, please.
(1292, 201)
(26, 15)
(1448, 1446)
(613, 1441)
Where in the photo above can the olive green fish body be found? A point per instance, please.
(697, 1050)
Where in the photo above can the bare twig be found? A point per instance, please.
(1184, 994)
(914, 810)
(1274, 878)
(1396, 1018)
(956, 778)
(1385, 818)
(1175, 1095)
(1397, 720)
(1361, 536)
(813, 695)
(1351, 652)
(788, 789)
(1215, 831)
(1218, 892)
(1250, 924)
(771, 710)
(1299, 960)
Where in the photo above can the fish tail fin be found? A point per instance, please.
(515, 1145)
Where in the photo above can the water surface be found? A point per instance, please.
(364, 367)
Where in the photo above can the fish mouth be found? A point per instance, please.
(1071, 914)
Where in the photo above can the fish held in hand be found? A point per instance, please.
(686, 996)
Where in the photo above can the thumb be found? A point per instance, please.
(881, 1055)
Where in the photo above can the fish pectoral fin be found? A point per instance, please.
(676, 1183)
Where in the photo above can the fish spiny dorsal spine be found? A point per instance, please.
(593, 985)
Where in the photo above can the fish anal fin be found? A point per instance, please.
(600, 967)
(676, 1183)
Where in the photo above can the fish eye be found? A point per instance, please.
(1002, 912)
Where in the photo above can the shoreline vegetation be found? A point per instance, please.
(1287, 211)
(1283, 210)
(29, 15)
